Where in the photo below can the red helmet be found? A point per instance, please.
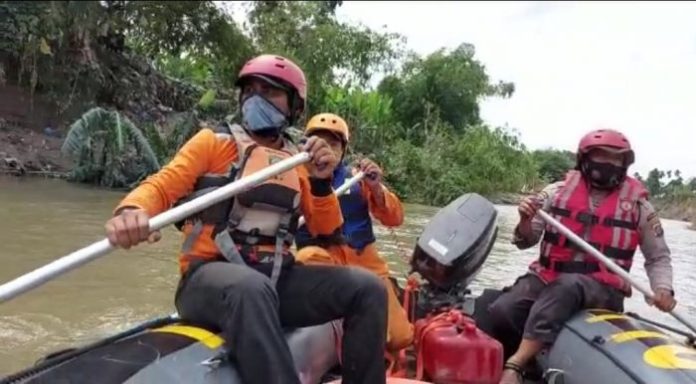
(608, 139)
(273, 68)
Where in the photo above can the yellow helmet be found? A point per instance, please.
(328, 122)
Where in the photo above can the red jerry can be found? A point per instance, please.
(452, 350)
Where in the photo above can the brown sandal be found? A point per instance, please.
(510, 366)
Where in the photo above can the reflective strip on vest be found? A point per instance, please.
(560, 201)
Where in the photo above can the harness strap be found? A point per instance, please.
(611, 252)
(584, 267)
(228, 248)
(282, 236)
(191, 238)
(278, 257)
(588, 218)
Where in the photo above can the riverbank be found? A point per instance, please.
(25, 151)
(682, 209)
(38, 154)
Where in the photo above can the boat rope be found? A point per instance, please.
(690, 337)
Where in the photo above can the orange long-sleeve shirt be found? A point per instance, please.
(390, 213)
(206, 154)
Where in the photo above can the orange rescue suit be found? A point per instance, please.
(208, 153)
(389, 213)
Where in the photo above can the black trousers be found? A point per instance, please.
(242, 303)
(531, 309)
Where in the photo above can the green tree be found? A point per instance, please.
(692, 184)
(653, 182)
(552, 164)
(191, 40)
(483, 160)
(447, 84)
(422, 122)
(82, 52)
(330, 52)
(369, 116)
(675, 184)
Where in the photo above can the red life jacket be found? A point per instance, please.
(612, 228)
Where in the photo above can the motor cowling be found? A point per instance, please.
(456, 242)
(450, 349)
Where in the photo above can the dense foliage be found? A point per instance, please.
(421, 122)
(552, 164)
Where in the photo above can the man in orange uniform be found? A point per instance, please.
(232, 248)
(354, 244)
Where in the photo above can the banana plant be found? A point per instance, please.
(108, 150)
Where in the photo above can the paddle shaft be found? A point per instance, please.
(341, 190)
(100, 248)
(608, 263)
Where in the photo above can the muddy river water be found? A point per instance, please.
(43, 219)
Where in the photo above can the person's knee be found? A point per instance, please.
(368, 286)
(217, 288)
(253, 284)
(500, 311)
(249, 286)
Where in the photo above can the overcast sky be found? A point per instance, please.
(576, 66)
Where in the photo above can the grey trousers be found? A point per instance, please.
(242, 303)
(531, 309)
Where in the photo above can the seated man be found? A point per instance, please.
(609, 209)
(237, 273)
(354, 244)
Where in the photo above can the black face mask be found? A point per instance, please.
(603, 175)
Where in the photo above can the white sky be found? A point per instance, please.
(576, 66)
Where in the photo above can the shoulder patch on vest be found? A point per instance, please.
(655, 223)
(626, 205)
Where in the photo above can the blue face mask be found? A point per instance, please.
(260, 116)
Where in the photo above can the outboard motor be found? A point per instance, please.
(449, 346)
(451, 251)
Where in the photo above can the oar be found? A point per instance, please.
(50, 271)
(609, 263)
(341, 190)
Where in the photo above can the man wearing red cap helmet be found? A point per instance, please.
(609, 209)
(237, 272)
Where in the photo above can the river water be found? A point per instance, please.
(43, 219)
